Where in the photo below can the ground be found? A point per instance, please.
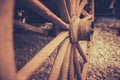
(105, 55)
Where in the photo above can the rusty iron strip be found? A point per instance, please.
(35, 62)
(85, 67)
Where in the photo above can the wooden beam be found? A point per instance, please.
(65, 65)
(40, 30)
(85, 67)
(7, 61)
(81, 6)
(58, 61)
(71, 4)
(36, 62)
(63, 10)
(41, 9)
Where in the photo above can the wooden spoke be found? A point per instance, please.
(38, 7)
(59, 60)
(71, 65)
(85, 13)
(112, 4)
(63, 10)
(77, 7)
(81, 52)
(65, 65)
(71, 4)
(85, 67)
(76, 63)
(89, 17)
(92, 9)
(35, 63)
(81, 7)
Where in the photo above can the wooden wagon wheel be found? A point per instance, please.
(77, 28)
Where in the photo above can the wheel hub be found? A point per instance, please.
(80, 29)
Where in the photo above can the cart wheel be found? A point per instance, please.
(76, 17)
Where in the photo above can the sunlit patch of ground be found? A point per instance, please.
(105, 57)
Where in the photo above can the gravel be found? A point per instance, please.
(105, 58)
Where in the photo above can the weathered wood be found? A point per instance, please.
(112, 4)
(65, 65)
(85, 67)
(88, 51)
(7, 63)
(81, 25)
(77, 7)
(81, 52)
(40, 30)
(76, 63)
(88, 17)
(85, 13)
(63, 10)
(71, 65)
(58, 61)
(71, 4)
(36, 62)
(93, 9)
(38, 7)
(81, 6)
